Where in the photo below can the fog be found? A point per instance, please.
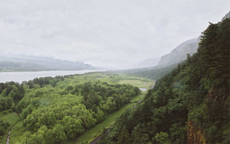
(103, 33)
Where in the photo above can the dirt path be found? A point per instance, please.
(8, 137)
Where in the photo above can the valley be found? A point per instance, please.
(24, 129)
(114, 72)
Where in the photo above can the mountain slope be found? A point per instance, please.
(33, 63)
(226, 16)
(178, 54)
(151, 62)
(189, 105)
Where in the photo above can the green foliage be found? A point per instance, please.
(154, 73)
(55, 109)
(3, 127)
(196, 92)
(58, 133)
(10, 94)
(162, 138)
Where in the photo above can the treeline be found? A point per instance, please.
(55, 114)
(21, 66)
(189, 105)
(10, 94)
(155, 73)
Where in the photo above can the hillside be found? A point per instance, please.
(154, 73)
(34, 63)
(179, 54)
(151, 62)
(191, 104)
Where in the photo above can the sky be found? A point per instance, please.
(103, 33)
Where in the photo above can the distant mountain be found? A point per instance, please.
(151, 62)
(179, 53)
(34, 63)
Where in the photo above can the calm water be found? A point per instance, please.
(25, 76)
(143, 89)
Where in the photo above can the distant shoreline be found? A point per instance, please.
(26, 76)
(51, 70)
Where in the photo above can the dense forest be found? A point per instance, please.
(54, 110)
(191, 104)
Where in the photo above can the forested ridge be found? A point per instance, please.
(12, 63)
(54, 110)
(191, 104)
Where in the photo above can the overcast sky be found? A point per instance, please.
(108, 33)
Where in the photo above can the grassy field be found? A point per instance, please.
(110, 78)
(17, 132)
(90, 134)
(11, 118)
(137, 83)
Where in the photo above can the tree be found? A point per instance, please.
(123, 137)
(162, 138)
(72, 127)
(59, 133)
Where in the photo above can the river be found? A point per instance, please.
(25, 76)
(143, 89)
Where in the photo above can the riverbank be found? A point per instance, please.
(26, 76)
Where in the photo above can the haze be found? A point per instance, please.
(103, 33)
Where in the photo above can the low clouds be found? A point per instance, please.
(114, 33)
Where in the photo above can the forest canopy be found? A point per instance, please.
(54, 110)
(191, 104)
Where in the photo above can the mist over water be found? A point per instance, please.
(26, 76)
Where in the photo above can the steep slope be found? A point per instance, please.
(189, 105)
(178, 54)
